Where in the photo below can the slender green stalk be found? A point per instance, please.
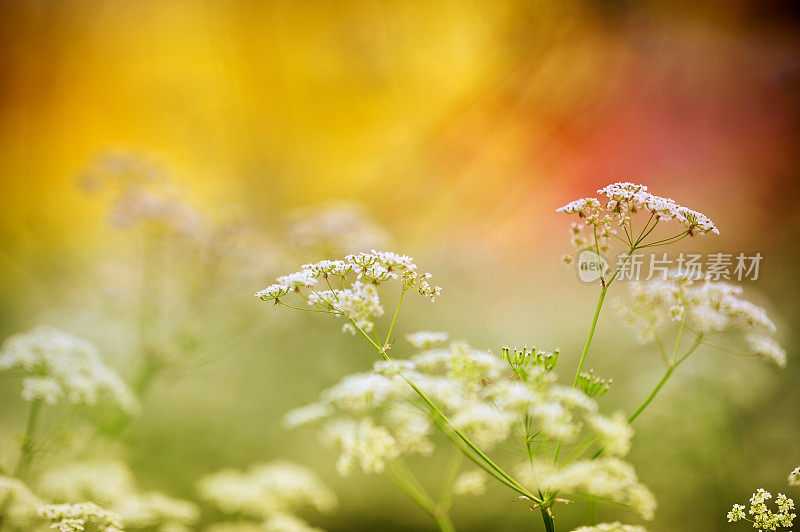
(402, 477)
(26, 448)
(653, 394)
(446, 496)
(664, 379)
(394, 319)
(585, 351)
(25, 454)
(547, 517)
(588, 343)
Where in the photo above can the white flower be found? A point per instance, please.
(606, 478)
(611, 527)
(483, 423)
(794, 477)
(761, 516)
(615, 433)
(307, 415)
(736, 513)
(273, 292)
(301, 279)
(708, 306)
(335, 229)
(20, 504)
(361, 442)
(111, 484)
(75, 517)
(625, 199)
(363, 391)
(426, 339)
(59, 365)
(266, 490)
(767, 349)
(283, 522)
(355, 299)
(470, 483)
(41, 388)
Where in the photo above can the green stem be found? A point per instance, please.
(549, 524)
(394, 318)
(444, 522)
(653, 394)
(585, 351)
(402, 477)
(664, 379)
(26, 448)
(446, 497)
(588, 343)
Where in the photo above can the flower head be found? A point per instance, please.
(58, 365)
(75, 517)
(794, 477)
(349, 287)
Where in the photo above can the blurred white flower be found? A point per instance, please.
(426, 339)
(61, 365)
(265, 490)
(611, 527)
(19, 503)
(335, 229)
(470, 483)
(794, 477)
(76, 517)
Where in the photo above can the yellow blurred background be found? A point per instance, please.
(459, 126)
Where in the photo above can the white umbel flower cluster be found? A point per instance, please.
(426, 339)
(335, 229)
(707, 307)
(20, 504)
(794, 477)
(611, 216)
(373, 417)
(351, 286)
(611, 527)
(58, 365)
(604, 479)
(761, 516)
(76, 517)
(470, 483)
(110, 483)
(267, 491)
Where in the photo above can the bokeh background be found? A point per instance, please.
(457, 127)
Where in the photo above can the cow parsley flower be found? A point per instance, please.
(76, 517)
(335, 229)
(426, 339)
(110, 483)
(470, 483)
(362, 443)
(609, 479)
(794, 477)
(615, 433)
(19, 502)
(706, 308)
(611, 527)
(349, 287)
(493, 400)
(761, 516)
(59, 365)
(612, 217)
(767, 349)
(266, 489)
